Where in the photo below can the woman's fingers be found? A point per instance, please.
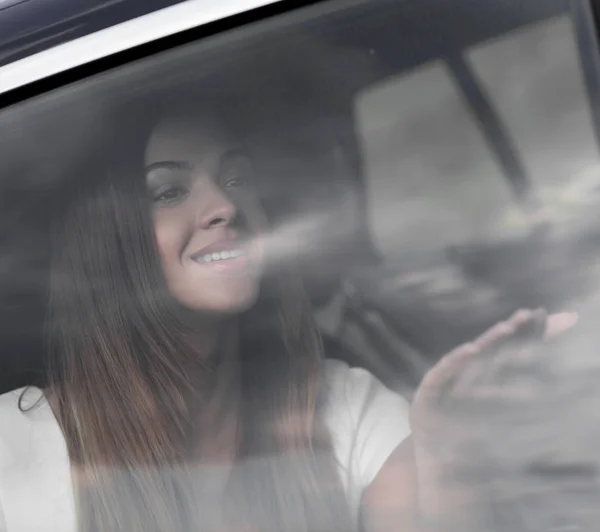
(514, 359)
(503, 329)
(557, 324)
(487, 365)
(491, 349)
(522, 354)
(464, 362)
(435, 381)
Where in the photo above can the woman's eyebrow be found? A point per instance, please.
(168, 165)
(232, 155)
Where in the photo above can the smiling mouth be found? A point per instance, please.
(219, 256)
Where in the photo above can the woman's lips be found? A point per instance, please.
(224, 256)
(231, 244)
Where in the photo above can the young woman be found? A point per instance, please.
(187, 388)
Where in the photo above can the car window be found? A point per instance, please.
(452, 142)
(411, 172)
(448, 144)
(421, 124)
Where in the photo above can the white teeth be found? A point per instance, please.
(222, 255)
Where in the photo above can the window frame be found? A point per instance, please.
(132, 40)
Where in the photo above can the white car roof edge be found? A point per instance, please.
(120, 37)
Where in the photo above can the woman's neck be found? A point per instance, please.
(216, 427)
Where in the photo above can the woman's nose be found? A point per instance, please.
(215, 208)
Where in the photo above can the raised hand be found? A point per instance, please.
(476, 417)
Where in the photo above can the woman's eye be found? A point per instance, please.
(236, 182)
(171, 195)
(236, 172)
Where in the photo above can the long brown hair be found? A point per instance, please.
(125, 380)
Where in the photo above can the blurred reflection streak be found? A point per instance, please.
(223, 496)
(535, 79)
(296, 235)
(451, 188)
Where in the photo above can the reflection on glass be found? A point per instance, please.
(534, 78)
(431, 178)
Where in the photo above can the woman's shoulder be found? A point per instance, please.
(34, 465)
(367, 420)
(19, 403)
(11, 409)
(358, 390)
(21, 411)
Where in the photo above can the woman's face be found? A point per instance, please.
(207, 219)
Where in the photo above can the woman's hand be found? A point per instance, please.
(473, 416)
(504, 367)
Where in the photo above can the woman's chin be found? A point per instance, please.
(226, 302)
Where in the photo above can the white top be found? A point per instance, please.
(367, 422)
